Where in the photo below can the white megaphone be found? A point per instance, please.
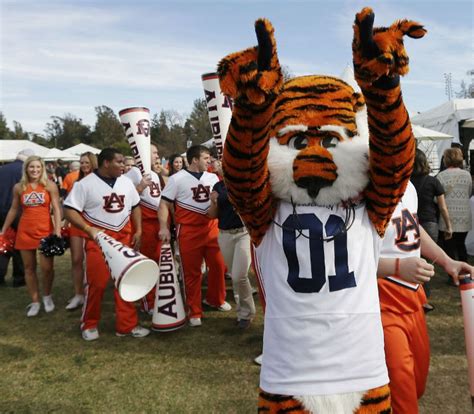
(168, 312)
(134, 275)
(466, 287)
(219, 108)
(136, 122)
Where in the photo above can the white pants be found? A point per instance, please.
(235, 248)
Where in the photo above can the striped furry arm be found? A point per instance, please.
(253, 79)
(379, 61)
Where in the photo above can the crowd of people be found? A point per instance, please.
(186, 204)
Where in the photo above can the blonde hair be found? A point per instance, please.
(24, 177)
(93, 161)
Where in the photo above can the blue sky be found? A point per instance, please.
(66, 56)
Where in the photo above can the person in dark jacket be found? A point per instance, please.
(10, 174)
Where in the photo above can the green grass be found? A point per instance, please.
(45, 366)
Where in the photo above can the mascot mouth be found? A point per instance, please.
(313, 185)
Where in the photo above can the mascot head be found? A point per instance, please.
(319, 142)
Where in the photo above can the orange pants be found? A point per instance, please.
(97, 277)
(194, 246)
(151, 248)
(407, 353)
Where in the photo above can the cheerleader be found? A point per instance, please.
(88, 163)
(35, 195)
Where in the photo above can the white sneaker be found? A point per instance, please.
(90, 334)
(76, 302)
(258, 360)
(194, 322)
(33, 309)
(137, 332)
(48, 303)
(225, 307)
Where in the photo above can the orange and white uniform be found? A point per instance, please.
(35, 221)
(150, 243)
(106, 204)
(197, 237)
(407, 349)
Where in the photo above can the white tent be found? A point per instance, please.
(9, 148)
(446, 118)
(54, 153)
(81, 149)
(427, 140)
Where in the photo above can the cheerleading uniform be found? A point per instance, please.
(35, 221)
(407, 349)
(197, 237)
(106, 204)
(150, 245)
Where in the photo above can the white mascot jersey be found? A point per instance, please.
(102, 205)
(402, 236)
(150, 197)
(323, 333)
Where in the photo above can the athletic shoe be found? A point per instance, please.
(90, 334)
(244, 323)
(258, 360)
(137, 332)
(195, 322)
(33, 309)
(76, 302)
(225, 307)
(48, 303)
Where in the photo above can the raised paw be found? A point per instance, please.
(380, 51)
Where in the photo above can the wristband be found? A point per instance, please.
(397, 267)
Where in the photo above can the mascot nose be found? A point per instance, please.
(313, 184)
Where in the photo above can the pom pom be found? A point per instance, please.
(7, 241)
(52, 246)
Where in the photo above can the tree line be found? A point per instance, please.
(169, 129)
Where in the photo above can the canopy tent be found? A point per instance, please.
(9, 148)
(54, 154)
(448, 118)
(81, 149)
(427, 140)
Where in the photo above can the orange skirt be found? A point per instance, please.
(31, 231)
(75, 232)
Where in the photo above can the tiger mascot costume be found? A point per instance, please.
(316, 204)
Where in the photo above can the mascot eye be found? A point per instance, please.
(299, 142)
(329, 142)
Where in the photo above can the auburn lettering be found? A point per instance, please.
(201, 193)
(114, 203)
(405, 224)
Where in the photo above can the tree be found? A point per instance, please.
(4, 130)
(41, 140)
(18, 132)
(465, 91)
(108, 131)
(67, 131)
(197, 126)
(167, 132)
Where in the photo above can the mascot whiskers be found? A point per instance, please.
(316, 201)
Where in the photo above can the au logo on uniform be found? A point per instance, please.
(114, 203)
(33, 199)
(154, 190)
(201, 193)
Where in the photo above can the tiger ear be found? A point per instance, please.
(358, 101)
(410, 28)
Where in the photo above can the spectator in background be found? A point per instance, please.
(51, 174)
(61, 171)
(234, 242)
(429, 189)
(128, 163)
(88, 163)
(70, 178)
(157, 167)
(35, 195)
(175, 164)
(458, 186)
(10, 174)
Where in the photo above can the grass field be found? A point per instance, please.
(47, 368)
